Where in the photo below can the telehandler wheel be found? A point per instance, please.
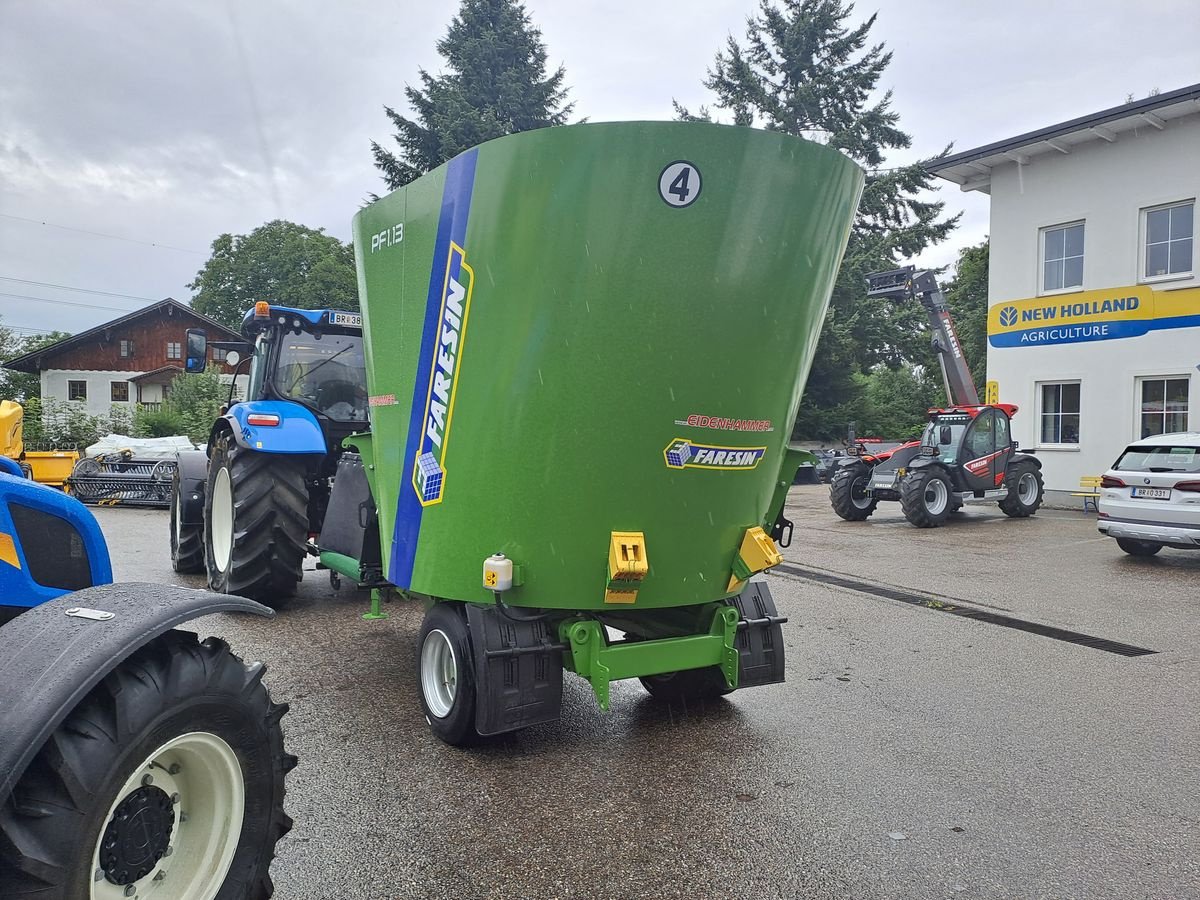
(848, 492)
(256, 513)
(446, 674)
(690, 685)
(187, 541)
(166, 781)
(1024, 483)
(926, 497)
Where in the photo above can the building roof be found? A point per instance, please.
(32, 362)
(155, 373)
(971, 170)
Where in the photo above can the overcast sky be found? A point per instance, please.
(168, 123)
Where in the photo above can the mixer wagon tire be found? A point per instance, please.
(690, 685)
(166, 781)
(848, 493)
(1025, 489)
(256, 517)
(446, 674)
(187, 541)
(925, 497)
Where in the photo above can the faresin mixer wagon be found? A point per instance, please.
(585, 349)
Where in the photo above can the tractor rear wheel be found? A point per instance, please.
(690, 685)
(256, 518)
(848, 492)
(167, 780)
(187, 541)
(926, 496)
(1024, 483)
(446, 674)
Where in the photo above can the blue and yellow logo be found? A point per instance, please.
(1103, 315)
(429, 470)
(682, 453)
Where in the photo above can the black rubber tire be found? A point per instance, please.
(457, 727)
(912, 497)
(1012, 505)
(270, 528)
(174, 685)
(187, 541)
(1138, 548)
(842, 488)
(688, 686)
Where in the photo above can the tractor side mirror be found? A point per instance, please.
(945, 436)
(197, 350)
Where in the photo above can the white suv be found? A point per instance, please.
(1150, 498)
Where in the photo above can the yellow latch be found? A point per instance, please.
(757, 552)
(627, 566)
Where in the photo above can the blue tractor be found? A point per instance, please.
(135, 759)
(244, 510)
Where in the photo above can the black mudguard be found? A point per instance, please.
(1024, 457)
(53, 655)
(193, 481)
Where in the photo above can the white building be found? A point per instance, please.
(1094, 301)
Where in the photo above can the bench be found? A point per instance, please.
(1089, 490)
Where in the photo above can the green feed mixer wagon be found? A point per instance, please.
(585, 348)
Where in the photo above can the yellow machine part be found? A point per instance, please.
(50, 467)
(12, 417)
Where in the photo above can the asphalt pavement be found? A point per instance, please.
(997, 708)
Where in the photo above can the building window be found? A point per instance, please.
(174, 350)
(119, 391)
(1164, 405)
(1060, 413)
(126, 349)
(1062, 257)
(216, 354)
(76, 390)
(1169, 231)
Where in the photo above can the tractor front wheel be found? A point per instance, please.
(167, 780)
(849, 492)
(1024, 483)
(926, 496)
(187, 541)
(256, 517)
(446, 674)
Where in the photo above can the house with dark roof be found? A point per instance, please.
(130, 360)
(1094, 278)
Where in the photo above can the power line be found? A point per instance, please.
(67, 287)
(67, 302)
(27, 329)
(115, 237)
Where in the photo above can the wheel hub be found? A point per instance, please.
(137, 836)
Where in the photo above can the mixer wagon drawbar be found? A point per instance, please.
(585, 347)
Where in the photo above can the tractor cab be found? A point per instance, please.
(973, 443)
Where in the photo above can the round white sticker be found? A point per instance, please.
(679, 183)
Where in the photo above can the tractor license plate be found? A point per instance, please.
(1151, 493)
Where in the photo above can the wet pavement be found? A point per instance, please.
(915, 750)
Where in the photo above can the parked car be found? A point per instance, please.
(1150, 498)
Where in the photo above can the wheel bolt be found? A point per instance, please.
(147, 780)
(130, 890)
(168, 852)
(175, 798)
(99, 876)
(175, 769)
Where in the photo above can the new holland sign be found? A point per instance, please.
(1091, 316)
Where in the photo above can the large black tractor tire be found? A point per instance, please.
(167, 780)
(1025, 489)
(256, 522)
(688, 686)
(927, 497)
(1138, 548)
(446, 675)
(187, 541)
(848, 492)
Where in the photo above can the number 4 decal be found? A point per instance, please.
(679, 184)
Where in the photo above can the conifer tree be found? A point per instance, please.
(495, 83)
(804, 69)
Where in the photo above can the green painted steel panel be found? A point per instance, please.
(602, 321)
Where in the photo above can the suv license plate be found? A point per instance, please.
(1151, 493)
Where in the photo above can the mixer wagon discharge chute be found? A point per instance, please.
(585, 348)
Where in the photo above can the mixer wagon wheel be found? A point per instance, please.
(166, 781)
(848, 492)
(256, 515)
(446, 673)
(187, 541)
(690, 685)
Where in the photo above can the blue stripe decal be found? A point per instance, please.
(1089, 331)
(452, 226)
